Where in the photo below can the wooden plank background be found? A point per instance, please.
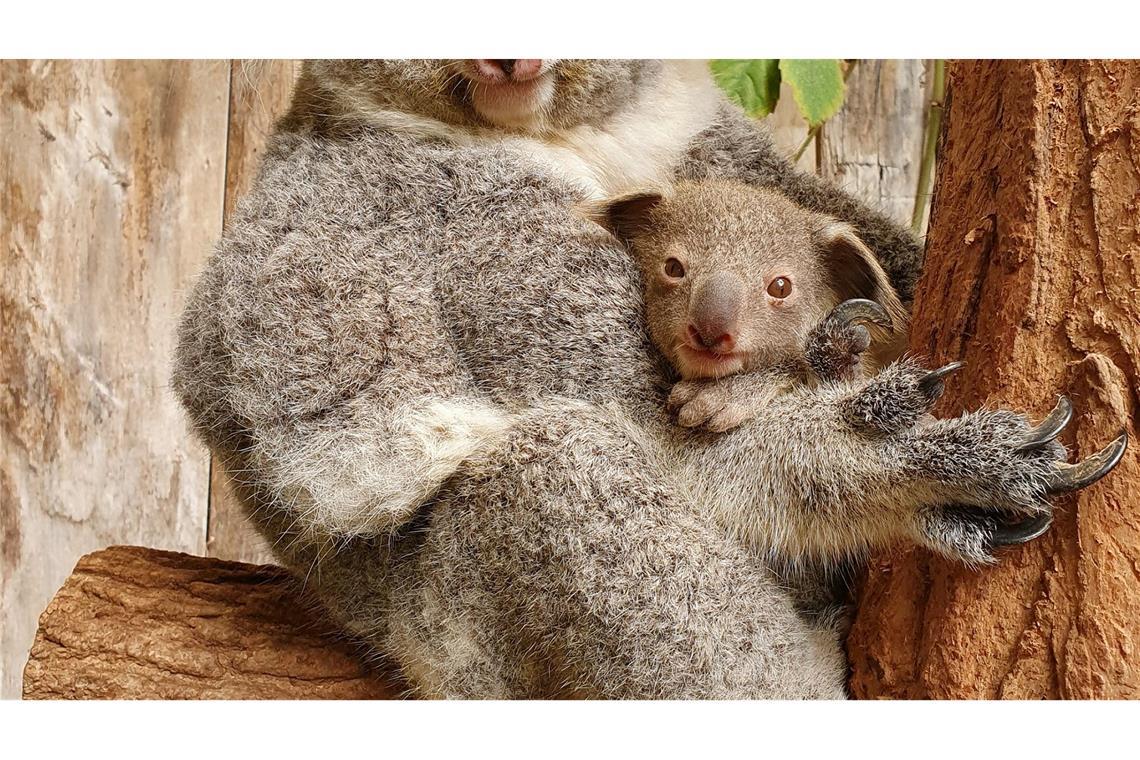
(115, 180)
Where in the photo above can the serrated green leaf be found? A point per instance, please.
(754, 83)
(817, 85)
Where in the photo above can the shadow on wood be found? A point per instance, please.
(134, 623)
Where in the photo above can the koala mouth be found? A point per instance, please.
(512, 103)
(700, 362)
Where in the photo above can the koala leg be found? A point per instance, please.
(563, 564)
(367, 468)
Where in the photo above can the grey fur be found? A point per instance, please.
(431, 377)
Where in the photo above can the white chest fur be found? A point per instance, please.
(639, 147)
(636, 149)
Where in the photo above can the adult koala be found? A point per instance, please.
(431, 376)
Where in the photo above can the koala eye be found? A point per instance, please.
(674, 268)
(781, 287)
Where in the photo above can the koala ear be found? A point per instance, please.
(853, 271)
(626, 216)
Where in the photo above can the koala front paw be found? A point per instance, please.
(834, 347)
(715, 405)
(998, 471)
(896, 398)
(998, 460)
(972, 536)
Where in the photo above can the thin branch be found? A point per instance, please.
(812, 133)
(929, 145)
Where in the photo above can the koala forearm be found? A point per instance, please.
(797, 482)
(827, 472)
(736, 148)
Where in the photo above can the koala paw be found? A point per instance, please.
(997, 460)
(894, 400)
(834, 346)
(972, 536)
(714, 405)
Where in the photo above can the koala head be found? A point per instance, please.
(522, 94)
(735, 276)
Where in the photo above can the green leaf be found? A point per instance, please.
(817, 85)
(754, 83)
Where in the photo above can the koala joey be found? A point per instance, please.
(431, 381)
(739, 279)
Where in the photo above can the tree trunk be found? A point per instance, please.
(1032, 279)
(134, 623)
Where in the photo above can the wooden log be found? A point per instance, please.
(134, 623)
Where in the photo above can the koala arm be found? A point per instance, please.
(824, 473)
(312, 357)
(736, 147)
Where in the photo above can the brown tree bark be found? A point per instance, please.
(1032, 278)
(133, 623)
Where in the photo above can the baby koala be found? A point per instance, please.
(747, 292)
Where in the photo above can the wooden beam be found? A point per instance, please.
(872, 148)
(259, 94)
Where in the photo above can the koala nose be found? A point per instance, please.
(714, 312)
(509, 69)
(720, 344)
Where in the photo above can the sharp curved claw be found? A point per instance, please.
(931, 382)
(1072, 477)
(1050, 427)
(1022, 532)
(862, 310)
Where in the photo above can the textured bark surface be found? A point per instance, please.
(133, 623)
(1031, 278)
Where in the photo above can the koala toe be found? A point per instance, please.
(682, 393)
(699, 410)
(726, 419)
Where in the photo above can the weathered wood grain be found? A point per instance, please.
(111, 179)
(872, 148)
(133, 623)
(259, 94)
